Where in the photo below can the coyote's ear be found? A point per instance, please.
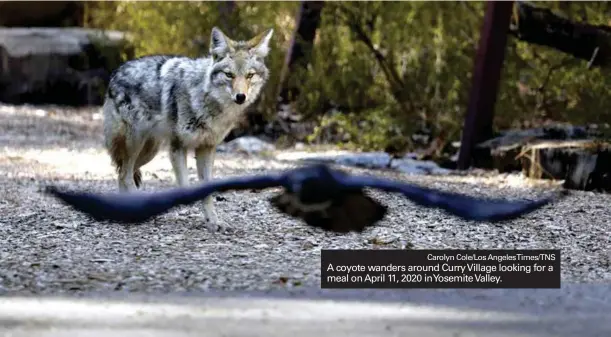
(260, 43)
(219, 44)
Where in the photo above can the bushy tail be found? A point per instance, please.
(115, 140)
(118, 155)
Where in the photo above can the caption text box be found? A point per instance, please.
(440, 268)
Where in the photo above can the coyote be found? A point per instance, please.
(190, 104)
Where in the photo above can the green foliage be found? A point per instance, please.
(420, 78)
(387, 67)
(368, 132)
(541, 84)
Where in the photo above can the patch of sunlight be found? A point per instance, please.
(96, 162)
(65, 160)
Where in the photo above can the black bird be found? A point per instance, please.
(321, 196)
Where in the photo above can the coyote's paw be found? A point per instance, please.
(217, 226)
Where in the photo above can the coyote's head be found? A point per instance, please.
(239, 72)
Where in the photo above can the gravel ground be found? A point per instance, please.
(45, 248)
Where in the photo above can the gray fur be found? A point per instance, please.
(189, 104)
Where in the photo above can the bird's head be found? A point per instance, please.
(312, 182)
(324, 198)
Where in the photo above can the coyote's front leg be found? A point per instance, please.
(204, 159)
(178, 157)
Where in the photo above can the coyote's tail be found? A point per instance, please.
(115, 136)
(118, 155)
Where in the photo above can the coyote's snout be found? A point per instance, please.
(240, 98)
(239, 86)
(190, 104)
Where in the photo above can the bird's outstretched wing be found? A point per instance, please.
(336, 201)
(137, 207)
(322, 197)
(463, 206)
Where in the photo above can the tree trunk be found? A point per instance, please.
(226, 9)
(484, 84)
(302, 43)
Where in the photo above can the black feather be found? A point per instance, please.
(322, 197)
(138, 207)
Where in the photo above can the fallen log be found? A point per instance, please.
(541, 26)
(505, 148)
(583, 165)
(63, 66)
(576, 154)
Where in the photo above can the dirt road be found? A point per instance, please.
(45, 248)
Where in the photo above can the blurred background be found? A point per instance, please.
(361, 75)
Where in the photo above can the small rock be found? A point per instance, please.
(72, 225)
(309, 244)
(40, 113)
(381, 241)
(247, 144)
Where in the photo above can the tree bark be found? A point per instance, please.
(300, 50)
(540, 26)
(226, 11)
(484, 84)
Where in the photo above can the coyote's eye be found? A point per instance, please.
(249, 76)
(229, 75)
